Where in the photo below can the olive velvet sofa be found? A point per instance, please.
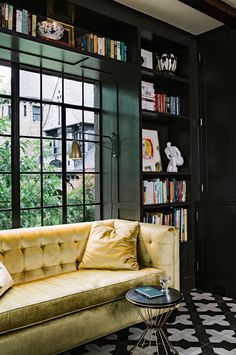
(53, 305)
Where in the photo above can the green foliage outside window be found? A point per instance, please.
(30, 186)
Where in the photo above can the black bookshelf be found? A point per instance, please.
(177, 129)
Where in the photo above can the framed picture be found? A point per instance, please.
(151, 151)
(68, 37)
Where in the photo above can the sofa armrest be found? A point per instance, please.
(159, 247)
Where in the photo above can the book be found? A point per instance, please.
(18, 21)
(149, 292)
(10, 17)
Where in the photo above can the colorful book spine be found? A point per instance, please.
(34, 25)
(18, 21)
(10, 17)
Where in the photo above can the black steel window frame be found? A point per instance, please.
(15, 143)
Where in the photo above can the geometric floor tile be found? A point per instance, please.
(205, 324)
(217, 319)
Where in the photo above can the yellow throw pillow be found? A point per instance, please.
(110, 248)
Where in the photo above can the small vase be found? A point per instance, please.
(166, 63)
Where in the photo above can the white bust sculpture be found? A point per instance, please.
(175, 158)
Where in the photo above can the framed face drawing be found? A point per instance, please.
(151, 151)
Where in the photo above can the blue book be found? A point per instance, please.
(149, 292)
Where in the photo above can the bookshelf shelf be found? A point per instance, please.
(57, 56)
(164, 80)
(166, 205)
(155, 174)
(163, 117)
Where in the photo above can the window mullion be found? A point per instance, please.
(15, 160)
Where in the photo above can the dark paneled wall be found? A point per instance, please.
(216, 242)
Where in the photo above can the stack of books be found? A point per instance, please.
(148, 96)
(18, 20)
(167, 104)
(164, 191)
(90, 42)
(176, 217)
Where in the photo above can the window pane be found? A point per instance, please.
(91, 95)
(92, 188)
(52, 159)
(30, 117)
(52, 190)
(5, 154)
(5, 80)
(5, 116)
(75, 214)
(6, 220)
(29, 84)
(91, 124)
(51, 121)
(29, 155)
(73, 122)
(52, 216)
(91, 157)
(30, 218)
(74, 185)
(90, 214)
(52, 88)
(73, 165)
(30, 190)
(73, 92)
(5, 191)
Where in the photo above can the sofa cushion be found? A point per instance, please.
(38, 301)
(111, 248)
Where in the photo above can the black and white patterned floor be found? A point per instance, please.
(205, 324)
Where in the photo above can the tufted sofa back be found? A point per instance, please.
(34, 253)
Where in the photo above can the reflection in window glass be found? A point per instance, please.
(75, 214)
(74, 187)
(52, 88)
(30, 155)
(30, 117)
(6, 220)
(29, 84)
(51, 121)
(52, 190)
(5, 116)
(5, 154)
(52, 216)
(73, 92)
(30, 218)
(52, 158)
(5, 80)
(30, 190)
(5, 191)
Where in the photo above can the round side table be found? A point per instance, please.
(154, 313)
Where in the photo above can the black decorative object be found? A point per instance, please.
(167, 63)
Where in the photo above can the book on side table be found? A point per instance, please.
(149, 292)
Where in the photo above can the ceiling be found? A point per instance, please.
(177, 14)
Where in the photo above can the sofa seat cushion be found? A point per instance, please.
(42, 300)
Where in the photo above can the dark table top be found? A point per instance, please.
(171, 298)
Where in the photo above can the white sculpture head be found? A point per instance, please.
(174, 156)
